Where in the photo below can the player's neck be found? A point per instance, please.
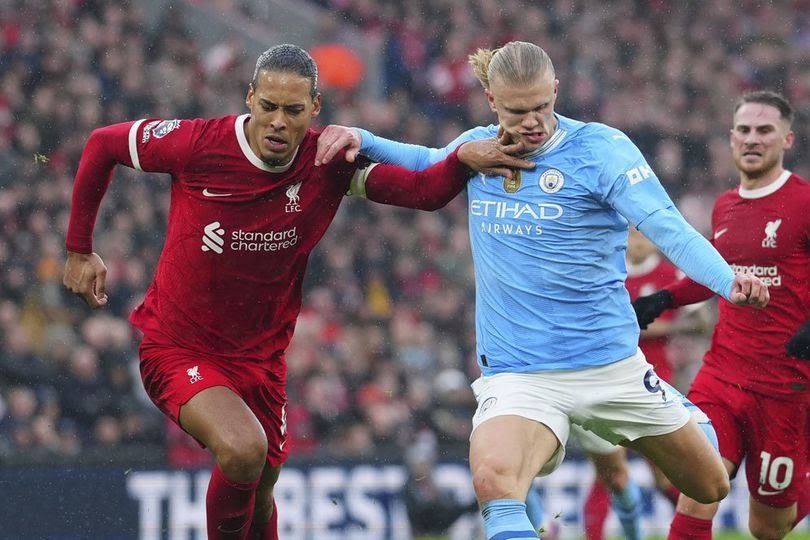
(748, 182)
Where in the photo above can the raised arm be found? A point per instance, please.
(335, 139)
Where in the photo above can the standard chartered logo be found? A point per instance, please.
(768, 274)
(214, 239)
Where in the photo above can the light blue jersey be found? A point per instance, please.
(548, 246)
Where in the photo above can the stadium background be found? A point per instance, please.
(384, 345)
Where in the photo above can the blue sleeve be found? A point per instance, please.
(630, 186)
(688, 250)
(413, 156)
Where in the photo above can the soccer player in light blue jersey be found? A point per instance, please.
(557, 338)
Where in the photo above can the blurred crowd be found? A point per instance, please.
(384, 346)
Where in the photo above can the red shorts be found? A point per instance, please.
(172, 376)
(770, 433)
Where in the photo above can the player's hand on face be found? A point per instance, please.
(749, 290)
(333, 140)
(85, 275)
(493, 157)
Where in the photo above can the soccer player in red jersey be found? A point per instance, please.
(248, 205)
(754, 383)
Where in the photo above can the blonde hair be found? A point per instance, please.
(517, 62)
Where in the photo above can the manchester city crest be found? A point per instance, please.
(511, 185)
(551, 181)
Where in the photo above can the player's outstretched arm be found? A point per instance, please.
(85, 275)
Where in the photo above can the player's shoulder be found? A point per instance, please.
(595, 134)
(727, 197)
(798, 184)
(482, 132)
(203, 130)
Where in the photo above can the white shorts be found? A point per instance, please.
(591, 442)
(619, 402)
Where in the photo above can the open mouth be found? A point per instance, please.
(275, 143)
(534, 138)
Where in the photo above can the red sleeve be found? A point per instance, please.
(686, 291)
(106, 147)
(429, 189)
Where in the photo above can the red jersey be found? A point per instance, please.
(651, 276)
(240, 232)
(764, 232)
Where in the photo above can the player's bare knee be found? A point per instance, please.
(490, 484)
(769, 531)
(242, 459)
(712, 491)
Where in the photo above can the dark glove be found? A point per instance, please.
(799, 344)
(649, 307)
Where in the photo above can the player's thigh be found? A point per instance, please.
(199, 393)
(221, 420)
(688, 460)
(510, 451)
(527, 412)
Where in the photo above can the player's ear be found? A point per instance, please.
(316, 105)
(249, 97)
(490, 99)
(789, 138)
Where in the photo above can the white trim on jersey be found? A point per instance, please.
(239, 127)
(765, 190)
(133, 144)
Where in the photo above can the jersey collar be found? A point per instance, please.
(764, 191)
(239, 126)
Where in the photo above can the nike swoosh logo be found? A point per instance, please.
(211, 194)
(765, 492)
(720, 233)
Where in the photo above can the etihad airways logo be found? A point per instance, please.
(768, 274)
(498, 216)
(214, 239)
